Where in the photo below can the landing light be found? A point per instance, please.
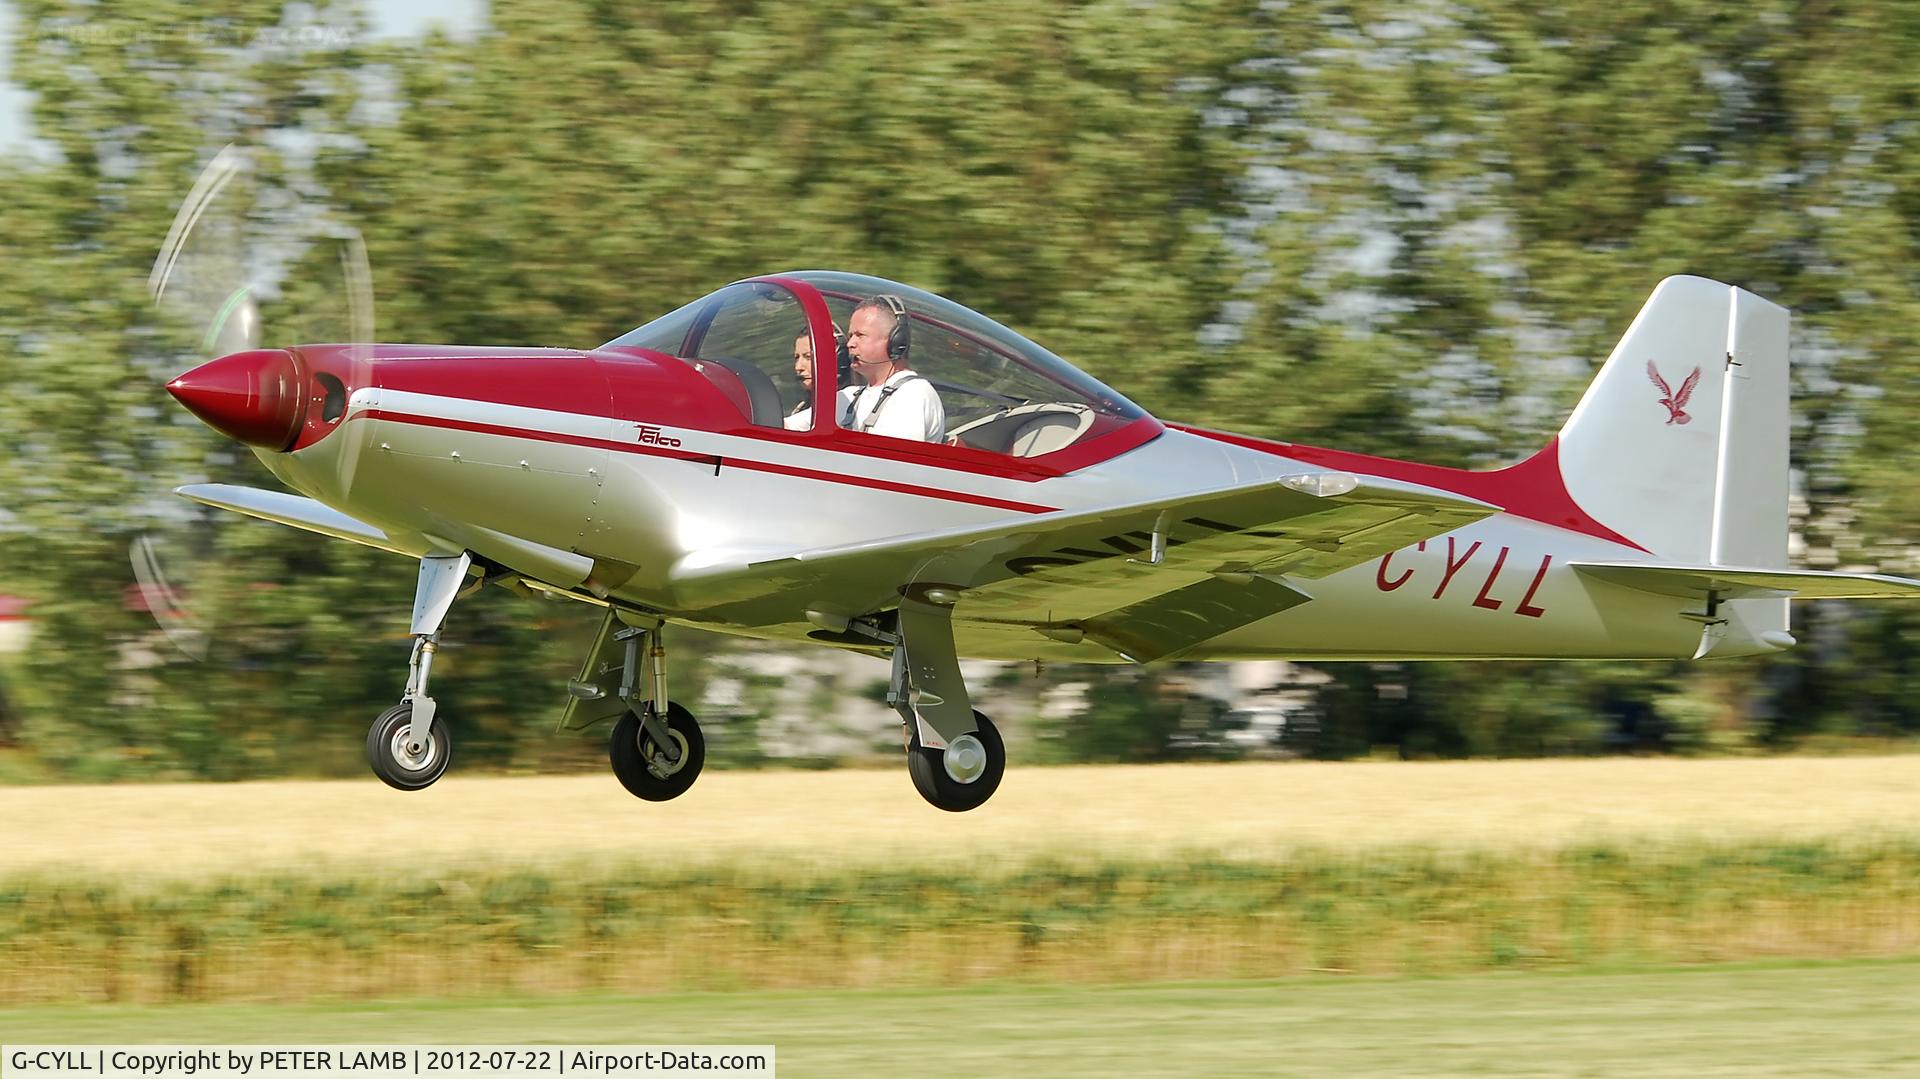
(1322, 484)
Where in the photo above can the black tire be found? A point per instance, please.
(383, 752)
(631, 747)
(929, 771)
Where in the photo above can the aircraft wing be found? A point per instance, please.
(283, 508)
(1146, 579)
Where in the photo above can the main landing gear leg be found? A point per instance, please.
(656, 749)
(954, 753)
(408, 745)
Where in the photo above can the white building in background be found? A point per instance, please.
(826, 704)
(1270, 693)
(820, 703)
(14, 625)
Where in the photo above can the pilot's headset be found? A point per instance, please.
(900, 338)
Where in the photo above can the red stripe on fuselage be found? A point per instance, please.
(1533, 489)
(687, 455)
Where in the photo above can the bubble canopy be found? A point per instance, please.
(984, 387)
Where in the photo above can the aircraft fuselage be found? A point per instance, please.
(605, 501)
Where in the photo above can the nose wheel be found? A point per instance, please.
(657, 757)
(402, 759)
(964, 774)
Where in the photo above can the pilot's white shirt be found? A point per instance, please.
(803, 419)
(912, 410)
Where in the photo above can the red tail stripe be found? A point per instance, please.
(1533, 489)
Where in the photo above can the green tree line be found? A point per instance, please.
(1404, 229)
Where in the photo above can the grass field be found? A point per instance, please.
(317, 891)
(1247, 811)
(641, 929)
(1750, 1021)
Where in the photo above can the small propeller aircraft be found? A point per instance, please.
(939, 487)
(702, 471)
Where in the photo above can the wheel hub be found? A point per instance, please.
(656, 758)
(965, 759)
(412, 755)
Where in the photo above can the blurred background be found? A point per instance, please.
(1412, 230)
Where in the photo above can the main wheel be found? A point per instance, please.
(387, 750)
(963, 775)
(642, 765)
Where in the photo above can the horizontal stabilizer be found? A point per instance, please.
(1738, 582)
(282, 508)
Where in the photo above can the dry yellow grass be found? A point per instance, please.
(871, 817)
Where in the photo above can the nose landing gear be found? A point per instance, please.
(408, 745)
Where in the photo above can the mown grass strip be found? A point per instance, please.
(638, 929)
(1775, 1020)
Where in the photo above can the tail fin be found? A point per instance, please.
(1680, 443)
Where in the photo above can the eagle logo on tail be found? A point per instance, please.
(1676, 402)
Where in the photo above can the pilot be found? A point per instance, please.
(896, 401)
(801, 418)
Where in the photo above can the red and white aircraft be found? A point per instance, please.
(683, 474)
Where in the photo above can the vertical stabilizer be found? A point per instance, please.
(1680, 443)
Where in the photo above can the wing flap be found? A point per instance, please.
(1163, 626)
(1742, 582)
